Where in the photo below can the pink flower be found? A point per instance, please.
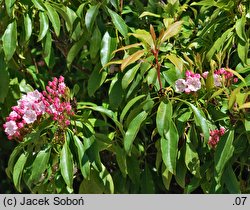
(193, 84)
(205, 74)
(180, 85)
(215, 136)
(30, 116)
(217, 80)
(10, 128)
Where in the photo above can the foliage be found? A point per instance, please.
(133, 131)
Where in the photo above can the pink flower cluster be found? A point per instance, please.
(218, 76)
(35, 104)
(56, 101)
(192, 83)
(29, 108)
(215, 136)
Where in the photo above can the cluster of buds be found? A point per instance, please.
(34, 105)
(192, 83)
(29, 108)
(56, 101)
(215, 136)
(218, 74)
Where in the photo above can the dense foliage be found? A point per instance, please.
(153, 96)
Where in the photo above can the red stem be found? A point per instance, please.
(158, 67)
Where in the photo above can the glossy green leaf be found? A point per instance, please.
(230, 179)
(95, 43)
(240, 28)
(133, 130)
(18, 170)
(9, 5)
(133, 169)
(74, 50)
(129, 105)
(164, 117)
(66, 165)
(39, 165)
(147, 181)
(10, 40)
(115, 92)
(149, 14)
(181, 171)
(169, 147)
(178, 62)
(108, 45)
(84, 163)
(145, 37)
(132, 59)
(44, 25)
(54, 18)
(119, 23)
(242, 50)
(200, 121)
(171, 31)
(166, 177)
(4, 79)
(27, 27)
(13, 159)
(96, 79)
(39, 4)
(92, 186)
(223, 153)
(47, 48)
(121, 159)
(192, 160)
(129, 76)
(219, 43)
(91, 16)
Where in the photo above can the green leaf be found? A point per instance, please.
(145, 37)
(129, 76)
(242, 50)
(92, 186)
(121, 159)
(119, 23)
(169, 147)
(230, 179)
(149, 14)
(66, 165)
(54, 18)
(108, 45)
(18, 170)
(95, 43)
(27, 27)
(178, 62)
(132, 59)
(10, 40)
(164, 117)
(91, 16)
(192, 160)
(240, 28)
(133, 129)
(171, 31)
(84, 163)
(74, 50)
(219, 43)
(129, 105)
(9, 5)
(47, 48)
(13, 159)
(223, 153)
(166, 177)
(44, 25)
(200, 121)
(133, 170)
(39, 4)
(96, 79)
(4, 79)
(39, 165)
(181, 171)
(147, 181)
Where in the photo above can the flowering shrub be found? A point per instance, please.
(157, 97)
